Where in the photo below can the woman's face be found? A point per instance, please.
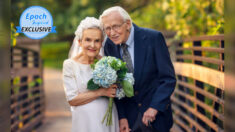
(91, 42)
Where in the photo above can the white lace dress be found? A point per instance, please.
(87, 117)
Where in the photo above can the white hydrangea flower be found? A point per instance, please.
(104, 76)
(120, 93)
(129, 77)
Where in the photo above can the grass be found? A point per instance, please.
(54, 53)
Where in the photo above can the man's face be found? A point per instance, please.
(116, 28)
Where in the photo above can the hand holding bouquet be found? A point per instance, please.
(108, 71)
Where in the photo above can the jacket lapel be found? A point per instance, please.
(117, 48)
(139, 52)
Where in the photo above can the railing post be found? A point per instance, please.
(199, 83)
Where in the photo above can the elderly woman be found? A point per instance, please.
(88, 107)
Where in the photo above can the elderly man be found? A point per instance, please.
(147, 57)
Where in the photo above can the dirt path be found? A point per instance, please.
(57, 115)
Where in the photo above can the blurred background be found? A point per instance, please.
(174, 18)
(194, 31)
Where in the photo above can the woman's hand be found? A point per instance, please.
(109, 92)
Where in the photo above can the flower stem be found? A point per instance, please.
(108, 113)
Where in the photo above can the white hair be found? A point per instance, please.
(119, 9)
(87, 23)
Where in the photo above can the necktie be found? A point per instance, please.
(127, 58)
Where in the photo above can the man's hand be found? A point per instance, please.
(149, 115)
(123, 125)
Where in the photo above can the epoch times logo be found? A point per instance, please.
(36, 22)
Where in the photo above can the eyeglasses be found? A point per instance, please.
(115, 27)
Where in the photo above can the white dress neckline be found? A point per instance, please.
(80, 63)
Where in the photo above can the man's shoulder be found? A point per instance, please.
(148, 31)
(109, 46)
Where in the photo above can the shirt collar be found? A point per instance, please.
(130, 39)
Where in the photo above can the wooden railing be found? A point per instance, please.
(27, 94)
(198, 100)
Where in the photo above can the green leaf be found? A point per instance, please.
(93, 65)
(39, 80)
(128, 88)
(91, 85)
(121, 74)
(114, 65)
(31, 84)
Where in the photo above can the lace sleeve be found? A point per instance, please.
(69, 80)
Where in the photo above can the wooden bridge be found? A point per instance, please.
(198, 100)
(27, 93)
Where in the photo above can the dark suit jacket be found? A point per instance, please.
(154, 78)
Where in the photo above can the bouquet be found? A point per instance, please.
(107, 71)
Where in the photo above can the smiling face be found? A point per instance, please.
(91, 42)
(116, 28)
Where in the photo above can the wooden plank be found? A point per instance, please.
(27, 116)
(186, 117)
(26, 100)
(181, 123)
(208, 49)
(23, 55)
(13, 96)
(28, 48)
(29, 126)
(205, 37)
(213, 77)
(197, 114)
(15, 72)
(16, 51)
(31, 106)
(200, 58)
(176, 128)
(201, 91)
(22, 61)
(19, 85)
(202, 104)
(18, 121)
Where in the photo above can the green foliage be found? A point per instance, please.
(114, 65)
(91, 85)
(122, 73)
(185, 17)
(54, 53)
(128, 88)
(39, 80)
(16, 82)
(31, 84)
(13, 35)
(68, 20)
(93, 65)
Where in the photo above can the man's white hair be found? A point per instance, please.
(87, 23)
(119, 9)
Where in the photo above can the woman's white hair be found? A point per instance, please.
(119, 9)
(87, 23)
